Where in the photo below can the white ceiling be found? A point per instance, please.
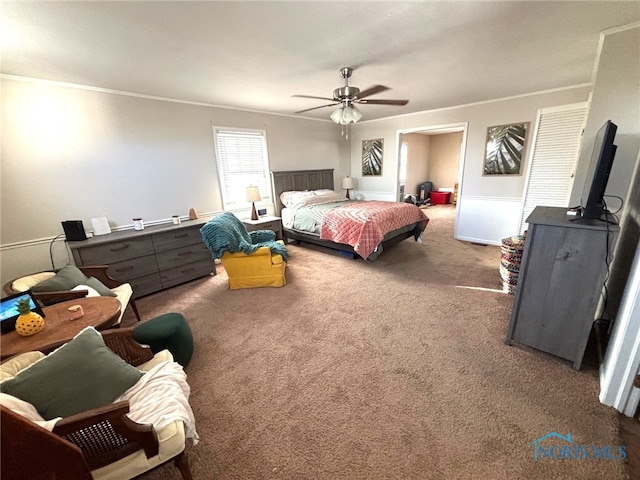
(256, 55)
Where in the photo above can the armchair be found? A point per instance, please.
(122, 291)
(251, 259)
(101, 443)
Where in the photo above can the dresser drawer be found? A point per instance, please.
(178, 238)
(116, 251)
(135, 267)
(146, 285)
(180, 256)
(151, 260)
(184, 273)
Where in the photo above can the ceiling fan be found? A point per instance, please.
(347, 97)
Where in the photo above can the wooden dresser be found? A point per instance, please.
(152, 259)
(563, 270)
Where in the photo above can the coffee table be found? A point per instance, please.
(99, 312)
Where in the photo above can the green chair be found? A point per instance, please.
(170, 331)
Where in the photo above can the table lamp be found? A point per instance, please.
(347, 184)
(253, 196)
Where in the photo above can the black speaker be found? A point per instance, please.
(74, 230)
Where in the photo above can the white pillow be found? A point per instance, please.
(325, 191)
(330, 196)
(285, 196)
(92, 291)
(20, 407)
(14, 365)
(292, 198)
(23, 284)
(26, 410)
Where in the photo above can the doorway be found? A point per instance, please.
(432, 154)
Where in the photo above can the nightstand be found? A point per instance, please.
(268, 222)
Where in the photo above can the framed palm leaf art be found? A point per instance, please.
(505, 146)
(372, 157)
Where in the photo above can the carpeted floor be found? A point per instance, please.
(387, 370)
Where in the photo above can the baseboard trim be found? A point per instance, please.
(479, 240)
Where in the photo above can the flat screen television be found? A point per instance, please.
(593, 205)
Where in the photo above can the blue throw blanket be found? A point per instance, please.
(227, 233)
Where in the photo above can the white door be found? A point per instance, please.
(557, 138)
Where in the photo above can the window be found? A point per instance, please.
(404, 153)
(402, 174)
(242, 161)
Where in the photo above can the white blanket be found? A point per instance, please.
(161, 397)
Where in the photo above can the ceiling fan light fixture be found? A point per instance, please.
(336, 116)
(346, 97)
(346, 115)
(357, 114)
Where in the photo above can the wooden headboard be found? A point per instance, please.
(299, 180)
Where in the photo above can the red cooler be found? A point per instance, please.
(440, 198)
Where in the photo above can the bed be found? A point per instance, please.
(312, 212)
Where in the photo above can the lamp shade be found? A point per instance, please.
(253, 194)
(347, 183)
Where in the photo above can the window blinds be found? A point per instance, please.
(242, 161)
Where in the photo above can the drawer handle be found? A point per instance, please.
(185, 254)
(119, 249)
(187, 270)
(125, 269)
(184, 235)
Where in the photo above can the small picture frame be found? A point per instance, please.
(372, 152)
(504, 149)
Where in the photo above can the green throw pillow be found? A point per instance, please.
(67, 278)
(81, 375)
(99, 287)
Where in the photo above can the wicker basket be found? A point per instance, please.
(510, 259)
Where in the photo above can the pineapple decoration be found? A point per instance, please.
(28, 323)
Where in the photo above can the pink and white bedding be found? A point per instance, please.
(361, 224)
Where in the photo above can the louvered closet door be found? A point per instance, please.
(553, 161)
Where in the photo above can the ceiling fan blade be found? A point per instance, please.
(315, 108)
(384, 102)
(372, 91)
(311, 96)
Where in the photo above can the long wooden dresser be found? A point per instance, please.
(152, 259)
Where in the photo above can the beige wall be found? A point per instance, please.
(74, 154)
(445, 159)
(418, 160)
(489, 207)
(478, 117)
(616, 96)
